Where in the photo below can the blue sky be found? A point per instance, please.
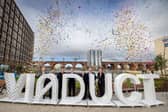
(96, 17)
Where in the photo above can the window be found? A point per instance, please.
(7, 8)
(21, 19)
(12, 14)
(6, 17)
(1, 53)
(16, 20)
(3, 38)
(10, 31)
(8, 40)
(13, 43)
(2, 2)
(17, 12)
(13, 6)
(0, 21)
(7, 50)
(19, 39)
(15, 27)
(5, 27)
(20, 25)
(18, 46)
(11, 22)
(8, 1)
(14, 35)
(1, 12)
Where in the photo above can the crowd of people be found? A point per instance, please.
(100, 80)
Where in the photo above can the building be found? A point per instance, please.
(16, 36)
(105, 64)
(160, 47)
(94, 58)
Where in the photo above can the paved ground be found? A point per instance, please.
(10, 107)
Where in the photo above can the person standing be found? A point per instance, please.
(47, 80)
(71, 85)
(86, 81)
(101, 82)
(59, 77)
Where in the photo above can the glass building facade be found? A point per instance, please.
(94, 58)
(16, 36)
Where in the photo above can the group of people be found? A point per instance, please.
(100, 77)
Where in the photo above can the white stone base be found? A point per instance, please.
(92, 103)
(120, 104)
(21, 100)
(45, 102)
(153, 103)
(5, 99)
(81, 103)
(114, 103)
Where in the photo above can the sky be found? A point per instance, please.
(87, 23)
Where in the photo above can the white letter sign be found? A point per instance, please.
(14, 90)
(75, 99)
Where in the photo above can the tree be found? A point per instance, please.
(160, 63)
(19, 68)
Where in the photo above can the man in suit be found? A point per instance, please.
(101, 82)
(86, 81)
(47, 80)
(59, 77)
(71, 85)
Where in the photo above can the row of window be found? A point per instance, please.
(10, 6)
(2, 2)
(12, 46)
(17, 28)
(18, 18)
(16, 36)
(12, 54)
(18, 48)
(13, 43)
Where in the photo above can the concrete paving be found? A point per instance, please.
(15, 107)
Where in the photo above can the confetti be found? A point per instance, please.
(131, 35)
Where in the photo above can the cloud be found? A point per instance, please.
(93, 23)
(154, 14)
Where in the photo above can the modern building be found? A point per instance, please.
(16, 36)
(94, 58)
(161, 47)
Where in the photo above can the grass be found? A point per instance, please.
(161, 84)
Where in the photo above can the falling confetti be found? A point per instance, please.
(50, 26)
(131, 35)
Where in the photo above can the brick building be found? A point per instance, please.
(16, 36)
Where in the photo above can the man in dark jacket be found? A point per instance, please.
(101, 82)
(86, 81)
(71, 85)
(59, 77)
(47, 80)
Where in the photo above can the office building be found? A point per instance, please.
(16, 36)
